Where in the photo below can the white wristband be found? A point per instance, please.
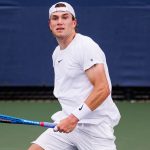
(81, 111)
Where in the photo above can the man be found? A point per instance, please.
(83, 88)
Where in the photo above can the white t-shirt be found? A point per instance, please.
(72, 86)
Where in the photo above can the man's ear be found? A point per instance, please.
(75, 22)
(49, 26)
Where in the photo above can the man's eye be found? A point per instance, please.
(65, 17)
(54, 18)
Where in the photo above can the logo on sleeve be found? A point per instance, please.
(80, 108)
(91, 59)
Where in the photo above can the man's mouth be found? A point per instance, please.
(60, 29)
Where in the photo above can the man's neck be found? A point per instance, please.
(64, 42)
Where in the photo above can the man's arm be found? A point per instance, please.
(97, 77)
(101, 91)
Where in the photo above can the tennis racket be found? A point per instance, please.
(14, 120)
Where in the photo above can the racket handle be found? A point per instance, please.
(47, 124)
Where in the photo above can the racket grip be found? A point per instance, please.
(47, 124)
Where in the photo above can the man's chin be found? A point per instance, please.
(59, 35)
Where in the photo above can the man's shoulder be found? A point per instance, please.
(85, 40)
(84, 37)
(55, 50)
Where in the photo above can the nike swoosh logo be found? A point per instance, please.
(60, 60)
(81, 107)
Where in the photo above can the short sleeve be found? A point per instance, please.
(91, 54)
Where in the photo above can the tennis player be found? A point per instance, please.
(83, 88)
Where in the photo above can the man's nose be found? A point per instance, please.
(60, 21)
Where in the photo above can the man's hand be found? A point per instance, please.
(68, 124)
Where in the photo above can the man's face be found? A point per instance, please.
(62, 24)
